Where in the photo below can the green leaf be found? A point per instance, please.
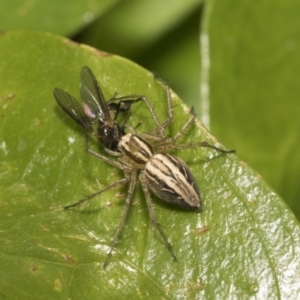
(166, 40)
(128, 39)
(163, 42)
(254, 86)
(63, 17)
(245, 242)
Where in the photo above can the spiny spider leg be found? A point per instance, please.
(160, 127)
(111, 162)
(185, 126)
(169, 144)
(136, 98)
(170, 108)
(202, 144)
(132, 182)
(129, 177)
(152, 215)
(91, 196)
(123, 103)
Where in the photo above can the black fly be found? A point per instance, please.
(95, 114)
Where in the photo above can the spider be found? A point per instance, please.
(144, 156)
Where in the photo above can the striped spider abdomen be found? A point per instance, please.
(170, 179)
(167, 176)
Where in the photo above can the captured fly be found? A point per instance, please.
(95, 114)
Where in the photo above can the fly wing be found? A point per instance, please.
(72, 107)
(92, 96)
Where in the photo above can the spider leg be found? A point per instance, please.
(91, 196)
(170, 108)
(111, 162)
(169, 143)
(185, 126)
(132, 181)
(160, 127)
(202, 144)
(104, 158)
(122, 103)
(153, 217)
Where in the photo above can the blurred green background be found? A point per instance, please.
(236, 62)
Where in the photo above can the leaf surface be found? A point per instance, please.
(245, 243)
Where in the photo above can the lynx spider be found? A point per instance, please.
(129, 163)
